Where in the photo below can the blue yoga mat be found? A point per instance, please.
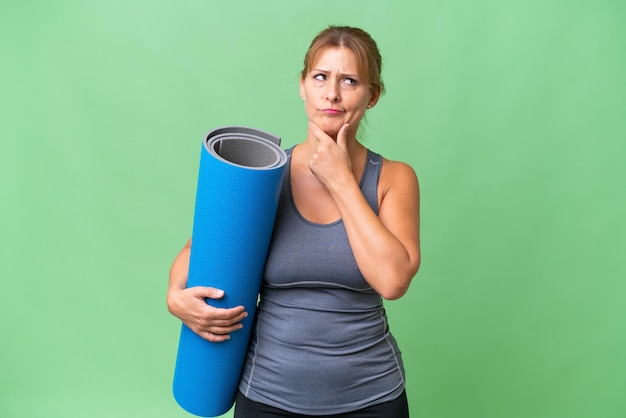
(239, 181)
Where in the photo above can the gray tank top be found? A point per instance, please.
(321, 343)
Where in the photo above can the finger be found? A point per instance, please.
(214, 338)
(206, 292)
(225, 329)
(227, 314)
(217, 333)
(209, 323)
(318, 132)
(342, 136)
(212, 321)
(214, 293)
(215, 319)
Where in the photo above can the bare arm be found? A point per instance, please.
(386, 247)
(189, 304)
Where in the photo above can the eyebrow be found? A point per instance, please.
(341, 74)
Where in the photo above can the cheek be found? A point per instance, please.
(356, 117)
(308, 107)
(310, 110)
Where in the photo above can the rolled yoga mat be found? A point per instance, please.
(239, 181)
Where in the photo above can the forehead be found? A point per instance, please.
(336, 58)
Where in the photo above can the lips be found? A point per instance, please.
(331, 111)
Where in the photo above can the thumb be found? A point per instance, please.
(210, 292)
(341, 136)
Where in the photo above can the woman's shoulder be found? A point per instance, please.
(397, 175)
(394, 168)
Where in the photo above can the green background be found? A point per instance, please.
(511, 112)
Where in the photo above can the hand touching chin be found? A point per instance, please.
(330, 127)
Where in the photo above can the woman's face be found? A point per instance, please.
(334, 92)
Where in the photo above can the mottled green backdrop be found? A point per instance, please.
(512, 113)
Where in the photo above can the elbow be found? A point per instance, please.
(395, 291)
(394, 294)
(399, 285)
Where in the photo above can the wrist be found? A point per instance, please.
(173, 299)
(342, 185)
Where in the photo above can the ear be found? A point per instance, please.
(302, 89)
(373, 99)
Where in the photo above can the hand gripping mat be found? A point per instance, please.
(239, 181)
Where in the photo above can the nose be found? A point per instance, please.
(332, 94)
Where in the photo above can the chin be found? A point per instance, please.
(332, 132)
(330, 127)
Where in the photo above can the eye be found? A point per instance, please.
(320, 77)
(350, 81)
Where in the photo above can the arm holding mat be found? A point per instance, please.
(192, 307)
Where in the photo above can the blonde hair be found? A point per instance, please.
(356, 40)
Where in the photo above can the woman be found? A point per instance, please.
(346, 236)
